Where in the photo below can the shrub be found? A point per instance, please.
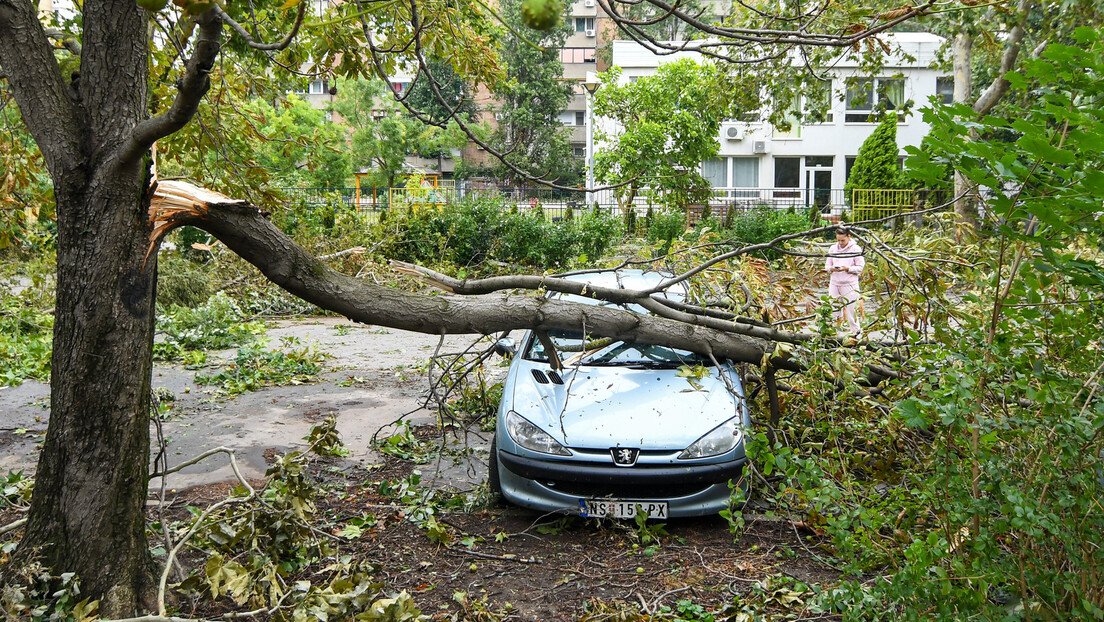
(876, 166)
(482, 228)
(765, 224)
(665, 225)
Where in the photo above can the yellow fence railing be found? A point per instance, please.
(872, 204)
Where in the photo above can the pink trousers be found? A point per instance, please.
(844, 296)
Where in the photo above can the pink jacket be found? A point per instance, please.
(853, 261)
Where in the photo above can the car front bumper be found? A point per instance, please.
(550, 485)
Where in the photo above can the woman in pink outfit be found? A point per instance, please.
(844, 265)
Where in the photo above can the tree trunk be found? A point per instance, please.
(88, 511)
(965, 207)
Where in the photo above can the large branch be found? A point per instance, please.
(193, 86)
(258, 45)
(39, 88)
(999, 86)
(246, 231)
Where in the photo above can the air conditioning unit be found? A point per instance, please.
(733, 132)
(760, 146)
(588, 3)
(590, 32)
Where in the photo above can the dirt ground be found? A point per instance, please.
(508, 563)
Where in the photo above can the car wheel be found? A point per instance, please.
(493, 483)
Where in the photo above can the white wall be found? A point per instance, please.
(837, 138)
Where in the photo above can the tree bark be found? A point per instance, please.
(965, 207)
(247, 232)
(87, 513)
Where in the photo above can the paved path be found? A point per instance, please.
(374, 376)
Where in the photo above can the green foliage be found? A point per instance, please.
(404, 445)
(32, 592)
(181, 282)
(977, 494)
(217, 325)
(763, 225)
(648, 532)
(26, 341)
(255, 367)
(299, 146)
(253, 149)
(483, 228)
(668, 125)
(26, 192)
(15, 490)
(876, 167)
(532, 97)
(384, 134)
(665, 225)
(263, 551)
(456, 93)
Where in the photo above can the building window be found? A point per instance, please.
(318, 87)
(787, 174)
(868, 96)
(580, 117)
(819, 161)
(745, 172)
(583, 24)
(715, 172)
(580, 152)
(944, 89)
(817, 98)
(849, 163)
(577, 55)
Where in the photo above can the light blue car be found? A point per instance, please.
(618, 430)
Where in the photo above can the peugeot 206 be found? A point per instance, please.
(617, 428)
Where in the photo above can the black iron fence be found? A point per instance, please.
(555, 202)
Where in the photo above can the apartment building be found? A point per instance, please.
(758, 161)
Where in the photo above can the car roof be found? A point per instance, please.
(622, 279)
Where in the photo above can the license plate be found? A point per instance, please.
(621, 508)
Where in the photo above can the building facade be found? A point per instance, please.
(811, 161)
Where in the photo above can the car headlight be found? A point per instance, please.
(531, 437)
(720, 440)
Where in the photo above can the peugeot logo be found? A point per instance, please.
(624, 456)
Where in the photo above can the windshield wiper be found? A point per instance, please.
(655, 365)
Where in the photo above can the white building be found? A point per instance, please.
(804, 165)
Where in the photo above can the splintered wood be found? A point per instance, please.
(173, 200)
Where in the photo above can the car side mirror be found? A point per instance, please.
(505, 347)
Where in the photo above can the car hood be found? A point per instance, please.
(603, 407)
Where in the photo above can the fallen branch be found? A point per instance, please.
(502, 558)
(13, 526)
(356, 250)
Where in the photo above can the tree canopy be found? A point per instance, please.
(667, 124)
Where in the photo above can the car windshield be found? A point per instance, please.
(570, 347)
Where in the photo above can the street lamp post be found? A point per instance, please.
(591, 85)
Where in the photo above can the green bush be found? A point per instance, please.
(483, 228)
(765, 224)
(26, 341)
(181, 282)
(665, 225)
(876, 166)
